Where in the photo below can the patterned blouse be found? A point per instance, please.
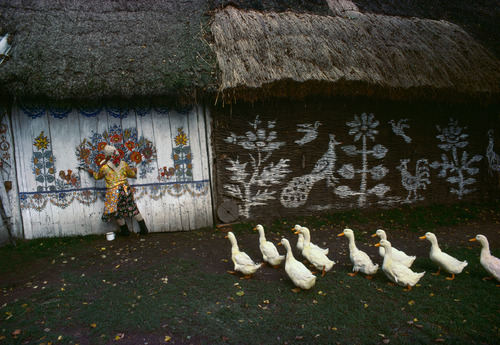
(114, 180)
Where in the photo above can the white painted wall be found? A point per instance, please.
(52, 209)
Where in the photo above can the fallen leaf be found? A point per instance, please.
(411, 302)
(119, 336)
(167, 338)
(299, 337)
(93, 325)
(240, 293)
(16, 332)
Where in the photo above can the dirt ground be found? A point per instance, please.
(214, 250)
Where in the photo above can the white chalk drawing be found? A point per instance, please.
(492, 156)
(363, 127)
(252, 179)
(296, 192)
(398, 129)
(453, 139)
(310, 130)
(412, 183)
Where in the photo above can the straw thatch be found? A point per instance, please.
(293, 55)
(93, 49)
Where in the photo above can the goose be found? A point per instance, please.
(269, 252)
(443, 260)
(397, 255)
(300, 241)
(359, 259)
(242, 262)
(396, 271)
(490, 263)
(314, 254)
(296, 270)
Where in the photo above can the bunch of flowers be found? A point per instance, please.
(136, 151)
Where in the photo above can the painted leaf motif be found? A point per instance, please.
(186, 149)
(37, 155)
(47, 154)
(50, 178)
(40, 178)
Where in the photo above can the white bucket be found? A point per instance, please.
(110, 236)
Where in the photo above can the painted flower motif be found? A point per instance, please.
(99, 159)
(181, 138)
(148, 152)
(363, 126)
(136, 157)
(101, 145)
(115, 139)
(41, 142)
(171, 171)
(84, 154)
(23, 197)
(130, 145)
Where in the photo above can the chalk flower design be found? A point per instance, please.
(364, 127)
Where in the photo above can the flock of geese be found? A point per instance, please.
(396, 264)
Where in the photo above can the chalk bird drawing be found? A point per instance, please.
(310, 130)
(412, 183)
(492, 156)
(296, 192)
(398, 129)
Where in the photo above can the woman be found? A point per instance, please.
(119, 202)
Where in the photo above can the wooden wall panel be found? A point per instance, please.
(66, 201)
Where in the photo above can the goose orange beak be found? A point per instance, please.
(472, 240)
(341, 234)
(377, 245)
(374, 235)
(423, 237)
(297, 232)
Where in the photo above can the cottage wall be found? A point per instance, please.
(168, 146)
(283, 159)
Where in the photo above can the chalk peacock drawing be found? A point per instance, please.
(296, 192)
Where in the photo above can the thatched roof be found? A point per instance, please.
(93, 49)
(293, 55)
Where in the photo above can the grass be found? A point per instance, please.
(175, 298)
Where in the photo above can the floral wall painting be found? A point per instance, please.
(363, 128)
(296, 192)
(44, 164)
(413, 182)
(136, 151)
(252, 178)
(310, 132)
(456, 165)
(491, 155)
(398, 128)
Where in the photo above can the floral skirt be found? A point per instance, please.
(125, 205)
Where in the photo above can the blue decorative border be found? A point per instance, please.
(38, 110)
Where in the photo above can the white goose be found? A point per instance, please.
(269, 252)
(397, 255)
(300, 241)
(443, 260)
(396, 271)
(296, 270)
(359, 259)
(490, 263)
(242, 262)
(314, 254)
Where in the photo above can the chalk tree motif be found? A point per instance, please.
(419, 180)
(398, 129)
(492, 156)
(454, 168)
(252, 179)
(364, 127)
(296, 192)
